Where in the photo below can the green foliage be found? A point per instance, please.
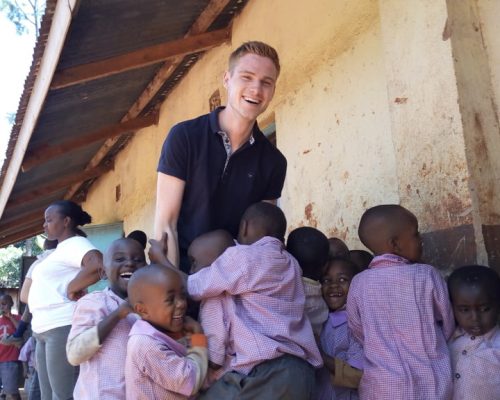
(10, 266)
(25, 15)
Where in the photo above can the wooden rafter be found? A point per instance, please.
(46, 152)
(15, 237)
(202, 23)
(139, 58)
(19, 220)
(59, 184)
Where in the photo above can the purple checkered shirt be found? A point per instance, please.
(401, 315)
(103, 375)
(476, 365)
(265, 309)
(159, 367)
(337, 341)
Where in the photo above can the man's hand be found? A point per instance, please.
(158, 249)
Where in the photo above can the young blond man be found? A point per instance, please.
(213, 167)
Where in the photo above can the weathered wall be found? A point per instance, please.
(366, 110)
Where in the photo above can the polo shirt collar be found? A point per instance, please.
(215, 127)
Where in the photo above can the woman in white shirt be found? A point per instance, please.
(57, 282)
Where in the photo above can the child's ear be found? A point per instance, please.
(141, 309)
(394, 245)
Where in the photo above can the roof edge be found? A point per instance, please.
(43, 67)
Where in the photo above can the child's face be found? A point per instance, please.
(335, 284)
(122, 259)
(474, 311)
(408, 243)
(165, 303)
(5, 305)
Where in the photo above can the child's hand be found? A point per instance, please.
(76, 295)
(124, 309)
(192, 326)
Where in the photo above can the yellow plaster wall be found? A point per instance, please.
(334, 112)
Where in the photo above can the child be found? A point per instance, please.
(399, 311)
(9, 367)
(101, 324)
(157, 365)
(337, 248)
(272, 340)
(27, 357)
(310, 247)
(475, 345)
(343, 355)
(361, 258)
(202, 252)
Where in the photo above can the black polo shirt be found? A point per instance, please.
(218, 189)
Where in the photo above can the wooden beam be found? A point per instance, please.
(45, 153)
(21, 235)
(202, 23)
(16, 219)
(139, 58)
(59, 184)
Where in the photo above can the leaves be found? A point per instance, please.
(25, 15)
(10, 266)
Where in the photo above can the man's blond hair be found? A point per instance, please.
(254, 47)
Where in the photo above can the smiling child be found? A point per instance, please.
(101, 324)
(475, 345)
(158, 365)
(342, 354)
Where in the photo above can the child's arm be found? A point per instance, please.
(178, 374)
(216, 330)
(345, 375)
(353, 315)
(442, 306)
(228, 274)
(90, 327)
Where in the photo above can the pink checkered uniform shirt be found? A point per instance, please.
(157, 366)
(337, 341)
(401, 314)
(265, 306)
(476, 365)
(103, 375)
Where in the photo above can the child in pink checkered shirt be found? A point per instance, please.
(166, 351)
(101, 324)
(399, 310)
(475, 345)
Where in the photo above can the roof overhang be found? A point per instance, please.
(100, 72)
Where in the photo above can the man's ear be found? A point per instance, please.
(243, 228)
(141, 309)
(67, 221)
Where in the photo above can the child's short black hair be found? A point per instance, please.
(361, 258)
(270, 219)
(139, 236)
(380, 223)
(310, 247)
(476, 275)
(8, 299)
(353, 268)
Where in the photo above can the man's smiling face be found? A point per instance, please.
(250, 86)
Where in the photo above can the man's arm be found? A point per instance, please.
(169, 192)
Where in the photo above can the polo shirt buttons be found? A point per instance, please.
(457, 375)
(464, 352)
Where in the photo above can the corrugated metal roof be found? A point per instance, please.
(99, 30)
